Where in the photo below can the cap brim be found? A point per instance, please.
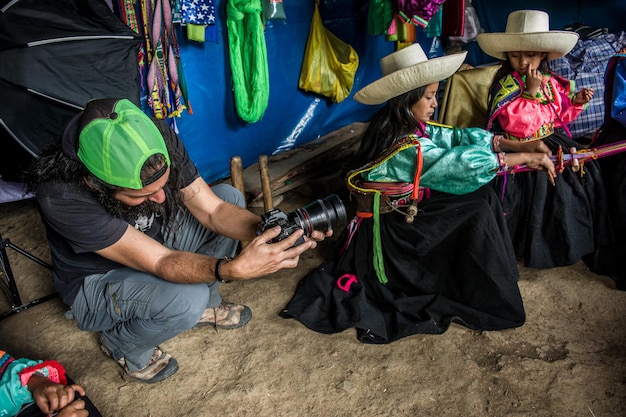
(555, 43)
(410, 78)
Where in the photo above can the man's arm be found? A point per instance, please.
(136, 250)
(217, 215)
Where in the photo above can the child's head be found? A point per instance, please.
(527, 31)
(522, 61)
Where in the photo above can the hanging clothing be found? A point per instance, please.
(163, 85)
(248, 58)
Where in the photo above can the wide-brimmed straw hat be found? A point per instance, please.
(406, 70)
(528, 30)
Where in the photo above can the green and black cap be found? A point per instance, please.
(113, 138)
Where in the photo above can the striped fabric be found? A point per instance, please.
(586, 64)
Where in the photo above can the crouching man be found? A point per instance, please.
(140, 242)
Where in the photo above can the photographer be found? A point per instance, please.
(140, 242)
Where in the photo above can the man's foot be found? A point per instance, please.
(160, 367)
(226, 316)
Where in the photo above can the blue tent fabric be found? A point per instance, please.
(214, 133)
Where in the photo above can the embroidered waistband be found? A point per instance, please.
(542, 132)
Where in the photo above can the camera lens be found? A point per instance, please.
(323, 215)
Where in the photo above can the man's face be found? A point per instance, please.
(145, 201)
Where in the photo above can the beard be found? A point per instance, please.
(145, 209)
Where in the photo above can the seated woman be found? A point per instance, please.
(556, 224)
(429, 245)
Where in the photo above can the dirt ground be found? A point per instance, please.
(568, 360)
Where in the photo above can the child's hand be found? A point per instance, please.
(533, 80)
(50, 396)
(535, 146)
(74, 409)
(583, 96)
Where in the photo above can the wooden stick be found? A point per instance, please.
(236, 174)
(265, 183)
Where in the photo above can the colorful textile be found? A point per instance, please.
(527, 118)
(197, 12)
(163, 84)
(14, 376)
(418, 12)
(456, 161)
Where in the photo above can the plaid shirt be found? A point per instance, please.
(586, 64)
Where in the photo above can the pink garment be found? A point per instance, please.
(523, 117)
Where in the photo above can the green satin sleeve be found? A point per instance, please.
(456, 161)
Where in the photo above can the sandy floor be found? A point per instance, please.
(568, 360)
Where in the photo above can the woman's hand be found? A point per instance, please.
(535, 160)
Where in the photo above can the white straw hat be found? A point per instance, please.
(528, 30)
(406, 70)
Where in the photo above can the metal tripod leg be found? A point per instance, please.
(16, 302)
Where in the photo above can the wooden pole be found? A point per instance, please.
(265, 183)
(236, 178)
(236, 175)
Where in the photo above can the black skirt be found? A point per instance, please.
(454, 263)
(554, 226)
(609, 257)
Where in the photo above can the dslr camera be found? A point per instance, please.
(323, 215)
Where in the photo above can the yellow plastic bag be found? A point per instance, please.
(329, 63)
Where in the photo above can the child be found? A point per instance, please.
(429, 245)
(551, 224)
(24, 381)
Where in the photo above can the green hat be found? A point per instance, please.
(113, 138)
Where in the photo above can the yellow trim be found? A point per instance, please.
(353, 174)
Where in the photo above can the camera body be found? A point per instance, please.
(275, 217)
(324, 214)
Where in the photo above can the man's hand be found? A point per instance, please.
(260, 258)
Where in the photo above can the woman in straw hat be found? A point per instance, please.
(551, 224)
(429, 245)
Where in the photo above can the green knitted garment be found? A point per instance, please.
(248, 58)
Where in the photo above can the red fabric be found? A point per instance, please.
(56, 372)
(453, 18)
